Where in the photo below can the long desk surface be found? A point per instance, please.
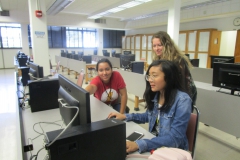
(99, 111)
(217, 109)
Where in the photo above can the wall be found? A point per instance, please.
(228, 42)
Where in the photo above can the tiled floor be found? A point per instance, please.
(212, 144)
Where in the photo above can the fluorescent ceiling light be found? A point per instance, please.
(58, 6)
(130, 4)
(182, 8)
(119, 8)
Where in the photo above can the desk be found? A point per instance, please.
(217, 109)
(99, 111)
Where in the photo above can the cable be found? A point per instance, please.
(31, 158)
(69, 107)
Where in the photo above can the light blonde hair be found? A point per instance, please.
(170, 50)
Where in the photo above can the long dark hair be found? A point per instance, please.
(104, 60)
(173, 83)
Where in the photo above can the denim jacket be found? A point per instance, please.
(173, 124)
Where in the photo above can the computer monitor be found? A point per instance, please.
(87, 59)
(22, 60)
(73, 95)
(106, 54)
(125, 60)
(73, 52)
(80, 54)
(76, 57)
(69, 55)
(226, 75)
(127, 52)
(35, 70)
(137, 67)
(221, 59)
(63, 54)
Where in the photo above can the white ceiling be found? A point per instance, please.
(89, 7)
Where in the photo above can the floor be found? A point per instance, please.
(212, 144)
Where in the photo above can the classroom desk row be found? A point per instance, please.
(99, 111)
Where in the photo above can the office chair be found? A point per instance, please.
(113, 53)
(192, 130)
(95, 52)
(81, 78)
(195, 62)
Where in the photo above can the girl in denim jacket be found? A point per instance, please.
(168, 109)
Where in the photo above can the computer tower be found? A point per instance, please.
(43, 94)
(101, 140)
(137, 67)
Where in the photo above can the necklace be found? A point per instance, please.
(109, 94)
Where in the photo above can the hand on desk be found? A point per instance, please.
(131, 146)
(117, 115)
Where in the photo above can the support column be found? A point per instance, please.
(39, 35)
(174, 19)
(24, 32)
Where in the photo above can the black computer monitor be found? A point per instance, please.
(137, 67)
(63, 54)
(226, 75)
(69, 55)
(106, 54)
(80, 54)
(35, 71)
(126, 59)
(221, 59)
(87, 59)
(22, 60)
(127, 52)
(76, 57)
(73, 95)
(73, 52)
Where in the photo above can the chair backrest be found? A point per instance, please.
(58, 66)
(80, 78)
(95, 51)
(192, 130)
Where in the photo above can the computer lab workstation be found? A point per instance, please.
(65, 122)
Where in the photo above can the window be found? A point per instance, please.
(80, 37)
(10, 35)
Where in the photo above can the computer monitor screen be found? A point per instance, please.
(35, 70)
(73, 52)
(127, 52)
(87, 59)
(226, 75)
(125, 60)
(73, 95)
